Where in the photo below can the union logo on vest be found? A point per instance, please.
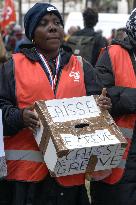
(75, 75)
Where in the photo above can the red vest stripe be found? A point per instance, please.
(127, 131)
(34, 156)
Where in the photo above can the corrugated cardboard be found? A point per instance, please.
(77, 137)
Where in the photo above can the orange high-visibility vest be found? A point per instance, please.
(124, 76)
(24, 159)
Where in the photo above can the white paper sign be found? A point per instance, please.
(102, 144)
(76, 161)
(64, 110)
(100, 137)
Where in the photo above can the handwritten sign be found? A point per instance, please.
(107, 149)
(77, 136)
(72, 109)
(77, 160)
(100, 137)
(101, 144)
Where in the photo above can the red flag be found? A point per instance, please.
(8, 13)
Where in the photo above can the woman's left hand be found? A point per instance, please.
(103, 101)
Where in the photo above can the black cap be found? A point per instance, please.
(34, 15)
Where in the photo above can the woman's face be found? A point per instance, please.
(49, 33)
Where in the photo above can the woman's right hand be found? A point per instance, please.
(103, 101)
(30, 119)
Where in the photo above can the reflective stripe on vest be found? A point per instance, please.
(123, 77)
(127, 132)
(122, 164)
(31, 88)
(30, 155)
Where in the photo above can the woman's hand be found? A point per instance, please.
(103, 101)
(30, 119)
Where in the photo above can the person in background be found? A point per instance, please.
(71, 31)
(41, 71)
(17, 36)
(120, 34)
(19, 43)
(113, 35)
(3, 52)
(116, 70)
(90, 18)
(9, 34)
(100, 32)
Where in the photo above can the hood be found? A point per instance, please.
(127, 43)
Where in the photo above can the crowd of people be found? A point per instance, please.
(13, 35)
(37, 67)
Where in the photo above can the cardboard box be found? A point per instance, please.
(77, 137)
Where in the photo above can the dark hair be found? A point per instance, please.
(121, 29)
(90, 17)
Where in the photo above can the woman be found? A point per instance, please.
(41, 70)
(116, 69)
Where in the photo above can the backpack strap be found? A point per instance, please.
(80, 59)
(133, 59)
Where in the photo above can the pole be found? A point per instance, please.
(20, 11)
(134, 4)
(63, 11)
(29, 4)
(1, 4)
(86, 4)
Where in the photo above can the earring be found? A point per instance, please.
(33, 41)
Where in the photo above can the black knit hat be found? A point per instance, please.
(131, 25)
(34, 15)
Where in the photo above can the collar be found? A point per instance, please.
(30, 52)
(126, 43)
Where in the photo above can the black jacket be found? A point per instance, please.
(12, 115)
(100, 42)
(123, 99)
(123, 102)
